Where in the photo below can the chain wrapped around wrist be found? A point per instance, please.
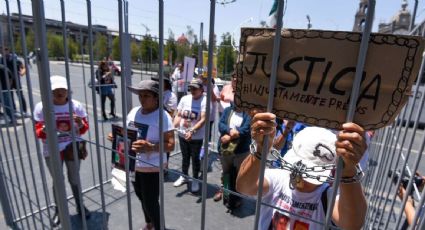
(354, 179)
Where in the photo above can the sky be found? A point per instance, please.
(178, 14)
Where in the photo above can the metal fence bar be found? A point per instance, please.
(272, 84)
(5, 107)
(415, 168)
(96, 126)
(86, 100)
(416, 90)
(419, 214)
(20, 99)
(45, 89)
(208, 111)
(125, 109)
(381, 179)
(31, 105)
(4, 200)
(161, 114)
(353, 101)
(415, 126)
(371, 210)
(78, 199)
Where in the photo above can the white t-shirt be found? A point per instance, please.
(191, 110)
(170, 100)
(280, 195)
(63, 125)
(147, 126)
(235, 120)
(213, 110)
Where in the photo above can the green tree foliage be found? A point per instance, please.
(226, 56)
(29, 38)
(170, 49)
(182, 51)
(116, 54)
(149, 49)
(72, 49)
(55, 45)
(135, 51)
(100, 48)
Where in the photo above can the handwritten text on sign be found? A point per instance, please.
(316, 70)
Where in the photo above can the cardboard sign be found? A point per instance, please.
(316, 71)
(187, 75)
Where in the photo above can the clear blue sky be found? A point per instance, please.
(324, 14)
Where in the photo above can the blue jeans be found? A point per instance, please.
(7, 103)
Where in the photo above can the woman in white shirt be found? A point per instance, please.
(145, 119)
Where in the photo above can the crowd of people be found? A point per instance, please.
(307, 155)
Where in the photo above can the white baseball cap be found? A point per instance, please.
(313, 146)
(58, 82)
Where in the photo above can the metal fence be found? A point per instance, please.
(26, 198)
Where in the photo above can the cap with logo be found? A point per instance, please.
(313, 146)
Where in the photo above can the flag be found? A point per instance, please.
(273, 15)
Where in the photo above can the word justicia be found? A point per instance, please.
(371, 86)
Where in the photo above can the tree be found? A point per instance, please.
(30, 40)
(134, 50)
(226, 56)
(72, 48)
(55, 45)
(100, 48)
(170, 49)
(116, 53)
(149, 50)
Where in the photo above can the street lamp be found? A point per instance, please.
(246, 21)
(150, 45)
(309, 21)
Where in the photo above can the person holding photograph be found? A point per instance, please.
(145, 118)
(63, 122)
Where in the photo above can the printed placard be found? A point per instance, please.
(316, 71)
(118, 155)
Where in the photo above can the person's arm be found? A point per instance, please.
(350, 209)
(280, 141)
(39, 130)
(409, 209)
(197, 126)
(177, 119)
(247, 182)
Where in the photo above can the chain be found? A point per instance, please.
(299, 170)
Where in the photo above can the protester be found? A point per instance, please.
(107, 84)
(285, 132)
(63, 125)
(235, 138)
(294, 192)
(9, 63)
(170, 101)
(145, 119)
(215, 98)
(409, 209)
(190, 121)
(227, 94)
(169, 98)
(179, 82)
(13, 63)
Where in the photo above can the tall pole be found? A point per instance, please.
(46, 98)
(412, 21)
